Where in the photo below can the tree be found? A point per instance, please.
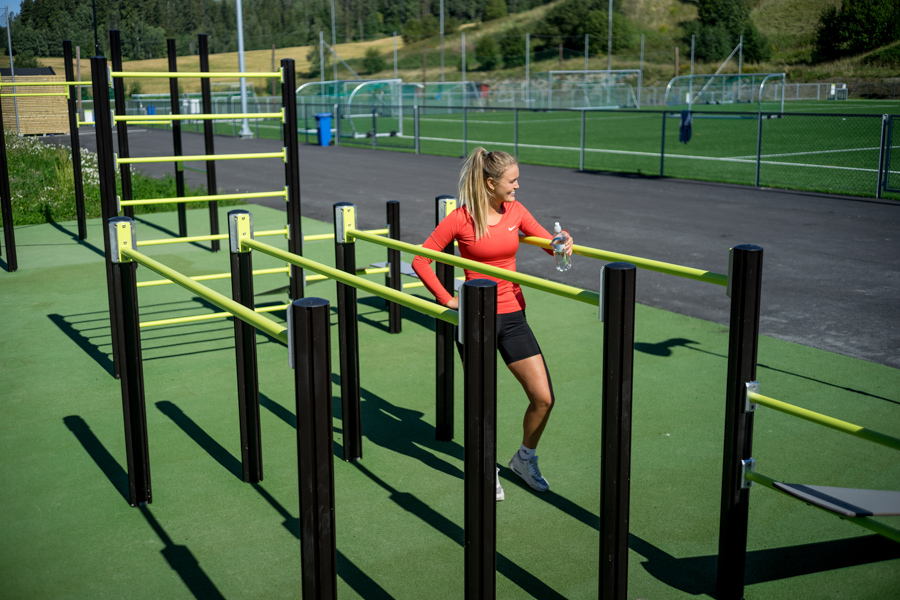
(512, 47)
(373, 62)
(719, 27)
(494, 9)
(857, 26)
(487, 53)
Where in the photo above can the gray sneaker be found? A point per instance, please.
(528, 470)
(500, 495)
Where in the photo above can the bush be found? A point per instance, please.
(373, 63)
(487, 53)
(494, 9)
(857, 26)
(512, 47)
(315, 63)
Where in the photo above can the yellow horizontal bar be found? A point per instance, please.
(317, 237)
(225, 303)
(150, 122)
(413, 302)
(209, 317)
(210, 198)
(865, 522)
(373, 270)
(183, 240)
(34, 95)
(310, 278)
(414, 284)
(825, 420)
(560, 289)
(271, 232)
(45, 83)
(215, 276)
(187, 74)
(87, 122)
(384, 231)
(198, 117)
(162, 159)
(643, 263)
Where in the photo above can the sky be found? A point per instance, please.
(12, 4)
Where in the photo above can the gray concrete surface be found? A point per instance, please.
(831, 269)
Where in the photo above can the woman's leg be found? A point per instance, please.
(532, 373)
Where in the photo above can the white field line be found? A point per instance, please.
(651, 154)
(812, 152)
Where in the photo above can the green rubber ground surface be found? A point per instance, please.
(66, 530)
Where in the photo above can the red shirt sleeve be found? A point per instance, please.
(530, 226)
(443, 235)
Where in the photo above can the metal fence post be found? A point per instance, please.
(122, 235)
(176, 137)
(292, 172)
(395, 321)
(444, 345)
(240, 226)
(581, 159)
(758, 146)
(337, 124)
(75, 141)
(516, 132)
(465, 131)
(209, 139)
(348, 334)
(743, 338)
(374, 128)
(107, 178)
(478, 330)
(309, 350)
(882, 177)
(615, 469)
(662, 146)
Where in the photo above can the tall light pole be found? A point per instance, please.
(245, 125)
(12, 71)
(333, 43)
(442, 40)
(609, 39)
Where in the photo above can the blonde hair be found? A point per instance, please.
(473, 191)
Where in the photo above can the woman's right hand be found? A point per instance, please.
(453, 303)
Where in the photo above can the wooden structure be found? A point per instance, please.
(38, 115)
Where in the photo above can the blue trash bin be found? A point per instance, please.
(151, 110)
(323, 124)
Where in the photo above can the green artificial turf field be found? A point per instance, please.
(66, 530)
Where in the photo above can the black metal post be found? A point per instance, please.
(310, 354)
(743, 337)
(662, 146)
(240, 224)
(444, 344)
(374, 128)
(9, 234)
(348, 333)
(115, 50)
(615, 466)
(107, 178)
(392, 279)
(292, 172)
(478, 325)
(176, 137)
(129, 331)
(74, 91)
(209, 139)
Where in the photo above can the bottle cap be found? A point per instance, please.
(556, 228)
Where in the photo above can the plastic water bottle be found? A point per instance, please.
(563, 260)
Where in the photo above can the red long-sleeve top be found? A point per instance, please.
(497, 249)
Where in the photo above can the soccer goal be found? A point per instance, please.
(766, 90)
(359, 101)
(443, 96)
(587, 89)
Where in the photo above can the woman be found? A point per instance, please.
(487, 226)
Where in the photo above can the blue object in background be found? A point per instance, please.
(323, 124)
(151, 110)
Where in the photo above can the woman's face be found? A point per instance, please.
(504, 189)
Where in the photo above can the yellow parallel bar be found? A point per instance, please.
(277, 331)
(34, 95)
(643, 263)
(209, 317)
(384, 231)
(206, 238)
(198, 117)
(413, 302)
(215, 276)
(865, 522)
(86, 123)
(373, 270)
(560, 289)
(820, 419)
(417, 284)
(188, 74)
(209, 198)
(44, 83)
(318, 237)
(151, 122)
(162, 159)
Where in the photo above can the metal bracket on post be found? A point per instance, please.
(344, 218)
(749, 405)
(121, 236)
(747, 465)
(240, 227)
(446, 206)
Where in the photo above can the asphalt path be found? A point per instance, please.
(831, 267)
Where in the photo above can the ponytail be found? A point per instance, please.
(473, 191)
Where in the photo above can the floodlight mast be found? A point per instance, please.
(245, 125)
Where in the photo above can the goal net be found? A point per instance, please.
(586, 89)
(765, 90)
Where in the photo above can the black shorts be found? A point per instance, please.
(515, 341)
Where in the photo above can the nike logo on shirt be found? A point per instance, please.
(513, 227)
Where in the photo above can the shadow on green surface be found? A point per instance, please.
(82, 341)
(74, 236)
(664, 348)
(179, 558)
